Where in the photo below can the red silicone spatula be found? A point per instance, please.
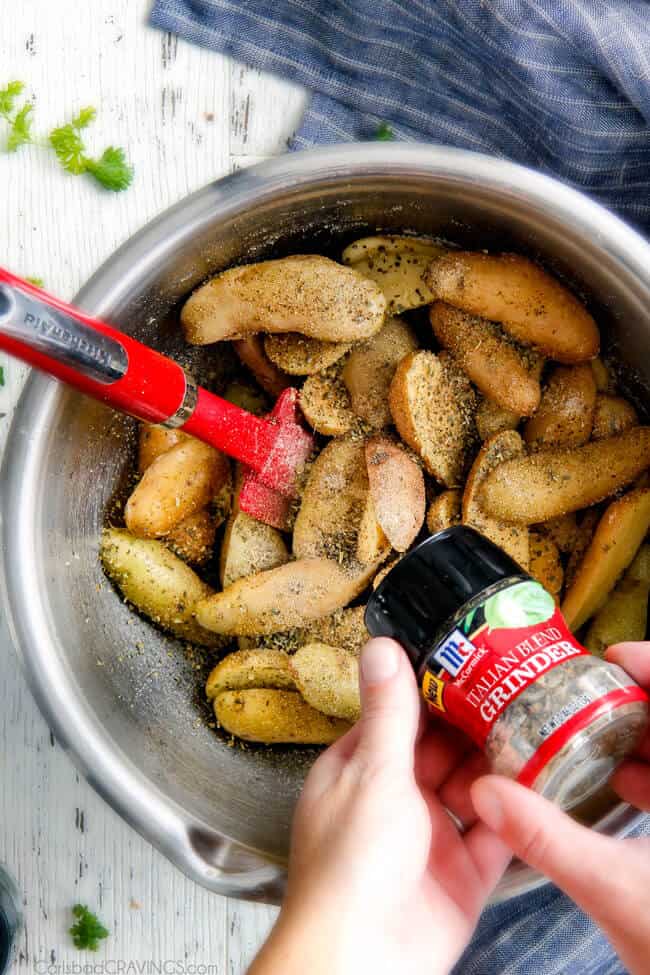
(110, 366)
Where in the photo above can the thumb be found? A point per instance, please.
(585, 865)
(390, 704)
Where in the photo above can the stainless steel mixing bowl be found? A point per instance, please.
(121, 697)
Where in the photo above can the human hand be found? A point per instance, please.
(607, 878)
(380, 878)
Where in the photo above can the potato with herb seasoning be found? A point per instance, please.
(158, 583)
(304, 293)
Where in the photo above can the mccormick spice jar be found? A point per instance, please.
(494, 657)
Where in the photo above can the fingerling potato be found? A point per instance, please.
(565, 416)
(244, 669)
(563, 531)
(372, 544)
(333, 501)
(492, 418)
(279, 599)
(325, 403)
(616, 541)
(304, 293)
(545, 565)
(531, 305)
(369, 369)
(251, 353)
(193, 538)
(623, 617)
(433, 406)
(249, 546)
(157, 583)
(585, 529)
(328, 679)
(154, 440)
(275, 717)
(178, 483)
(344, 628)
(612, 415)
(513, 539)
(553, 482)
(445, 511)
(301, 356)
(396, 486)
(493, 362)
(398, 265)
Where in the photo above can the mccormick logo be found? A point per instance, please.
(454, 653)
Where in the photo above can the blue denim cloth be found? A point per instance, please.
(561, 85)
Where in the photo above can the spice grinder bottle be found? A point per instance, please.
(494, 656)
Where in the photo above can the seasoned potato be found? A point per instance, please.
(369, 370)
(304, 293)
(247, 396)
(251, 352)
(325, 403)
(333, 501)
(178, 483)
(513, 539)
(278, 599)
(328, 679)
(566, 413)
(531, 305)
(492, 418)
(623, 617)
(154, 440)
(491, 359)
(397, 491)
(398, 265)
(344, 628)
(553, 482)
(250, 668)
(563, 531)
(383, 572)
(602, 375)
(193, 538)
(445, 511)
(302, 356)
(372, 544)
(545, 564)
(275, 717)
(616, 541)
(158, 583)
(612, 415)
(249, 546)
(433, 406)
(585, 529)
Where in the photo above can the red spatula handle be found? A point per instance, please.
(112, 367)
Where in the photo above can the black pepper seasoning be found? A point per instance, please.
(494, 656)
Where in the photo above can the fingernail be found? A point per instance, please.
(380, 661)
(487, 804)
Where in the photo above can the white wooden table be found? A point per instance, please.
(185, 117)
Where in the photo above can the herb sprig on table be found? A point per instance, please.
(111, 170)
(88, 930)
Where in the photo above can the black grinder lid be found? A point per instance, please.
(431, 583)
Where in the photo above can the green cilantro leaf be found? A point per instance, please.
(87, 931)
(111, 169)
(21, 128)
(384, 133)
(38, 282)
(8, 96)
(2, 375)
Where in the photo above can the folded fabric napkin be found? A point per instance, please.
(560, 85)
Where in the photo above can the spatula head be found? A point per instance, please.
(292, 448)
